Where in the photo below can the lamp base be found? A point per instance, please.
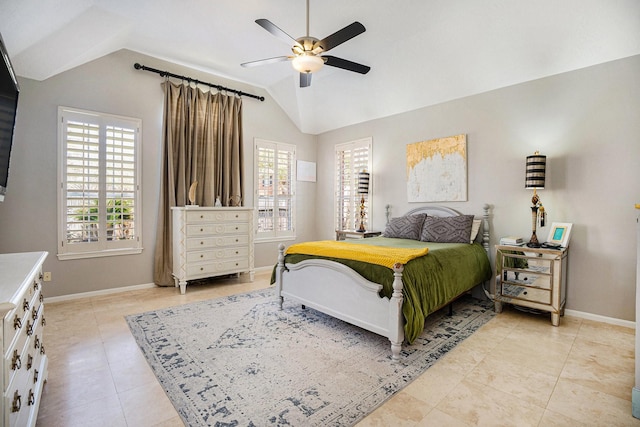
(533, 242)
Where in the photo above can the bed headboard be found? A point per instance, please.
(443, 211)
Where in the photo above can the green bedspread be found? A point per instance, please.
(430, 282)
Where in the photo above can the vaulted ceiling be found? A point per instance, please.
(421, 52)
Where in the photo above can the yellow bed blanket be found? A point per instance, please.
(380, 255)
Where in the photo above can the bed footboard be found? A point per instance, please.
(340, 292)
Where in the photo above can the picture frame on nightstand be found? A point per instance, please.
(560, 234)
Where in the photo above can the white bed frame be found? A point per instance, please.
(338, 291)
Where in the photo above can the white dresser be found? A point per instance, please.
(24, 360)
(211, 242)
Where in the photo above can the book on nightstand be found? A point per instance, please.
(512, 241)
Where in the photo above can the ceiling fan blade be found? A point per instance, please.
(345, 64)
(266, 61)
(305, 79)
(276, 31)
(340, 36)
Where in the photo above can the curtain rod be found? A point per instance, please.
(137, 66)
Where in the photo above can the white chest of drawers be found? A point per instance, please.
(24, 360)
(211, 242)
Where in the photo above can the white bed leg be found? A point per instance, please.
(279, 272)
(396, 319)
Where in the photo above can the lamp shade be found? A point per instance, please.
(535, 171)
(307, 63)
(363, 182)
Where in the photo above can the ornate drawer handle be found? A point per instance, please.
(35, 284)
(36, 343)
(44, 322)
(17, 323)
(29, 361)
(25, 305)
(16, 363)
(29, 328)
(32, 398)
(41, 297)
(42, 349)
(15, 406)
(34, 313)
(35, 376)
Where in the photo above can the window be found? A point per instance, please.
(99, 200)
(275, 190)
(351, 158)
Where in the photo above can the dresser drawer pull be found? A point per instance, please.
(16, 363)
(25, 305)
(34, 313)
(44, 322)
(201, 242)
(42, 349)
(201, 268)
(29, 328)
(35, 376)
(236, 240)
(29, 361)
(41, 297)
(236, 228)
(201, 230)
(15, 406)
(32, 398)
(201, 216)
(36, 343)
(17, 323)
(201, 256)
(35, 284)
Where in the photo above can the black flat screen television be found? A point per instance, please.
(9, 91)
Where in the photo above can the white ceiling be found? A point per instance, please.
(421, 52)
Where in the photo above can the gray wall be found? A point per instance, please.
(28, 216)
(587, 122)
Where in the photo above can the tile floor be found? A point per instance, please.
(517, 370)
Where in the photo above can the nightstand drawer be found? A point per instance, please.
(527, 278)
(525, 293)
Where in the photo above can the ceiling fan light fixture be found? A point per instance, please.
(307, 63)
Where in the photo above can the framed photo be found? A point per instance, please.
(560, 233)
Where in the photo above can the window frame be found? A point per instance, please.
(275, 234)
(103, 246)
(339, 194)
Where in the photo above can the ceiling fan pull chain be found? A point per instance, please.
(307, 18)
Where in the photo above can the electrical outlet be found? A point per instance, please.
(47, 276)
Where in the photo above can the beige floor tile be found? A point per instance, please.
(554, 419)
(590, 407)
(401, 410)
(601, 367)
(613, 335)
(104, 412)
(481, 405)
(437, 418)
(146, 406)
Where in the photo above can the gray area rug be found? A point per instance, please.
(240, 361)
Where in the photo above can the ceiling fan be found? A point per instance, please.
(307, 51)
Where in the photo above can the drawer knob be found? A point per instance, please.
(201, 230)
(201, 256)
(201, 242)
(524, 293)
(201, 216)
(35, 284)
(16, 363)
(17, 323)
(16, 404)
(236, 228)
(201, 268)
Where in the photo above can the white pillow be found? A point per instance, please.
(475, 227)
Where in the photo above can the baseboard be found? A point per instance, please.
(259, 270)
(603, 319)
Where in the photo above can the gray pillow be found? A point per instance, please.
(405, 227)
(451, 229)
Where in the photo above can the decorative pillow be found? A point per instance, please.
(405, 227)
(451, 229)
(475, 227)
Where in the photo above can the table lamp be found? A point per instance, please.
(363, 188)
(534, 179)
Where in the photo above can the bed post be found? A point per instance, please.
(396, 318)
(485, 230)
(279, 272)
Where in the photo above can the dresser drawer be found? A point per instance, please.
(213, 242)
(217, 216)
(527, 278)
(217, 267)
(196, 230)
(218, 254)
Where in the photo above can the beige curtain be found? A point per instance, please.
(202, 141)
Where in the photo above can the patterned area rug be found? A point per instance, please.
(240, 361)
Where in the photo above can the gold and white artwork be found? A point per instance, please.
(437, 170)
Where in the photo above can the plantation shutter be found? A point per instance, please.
(99, 191)
(350, 158)
(275, 189)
